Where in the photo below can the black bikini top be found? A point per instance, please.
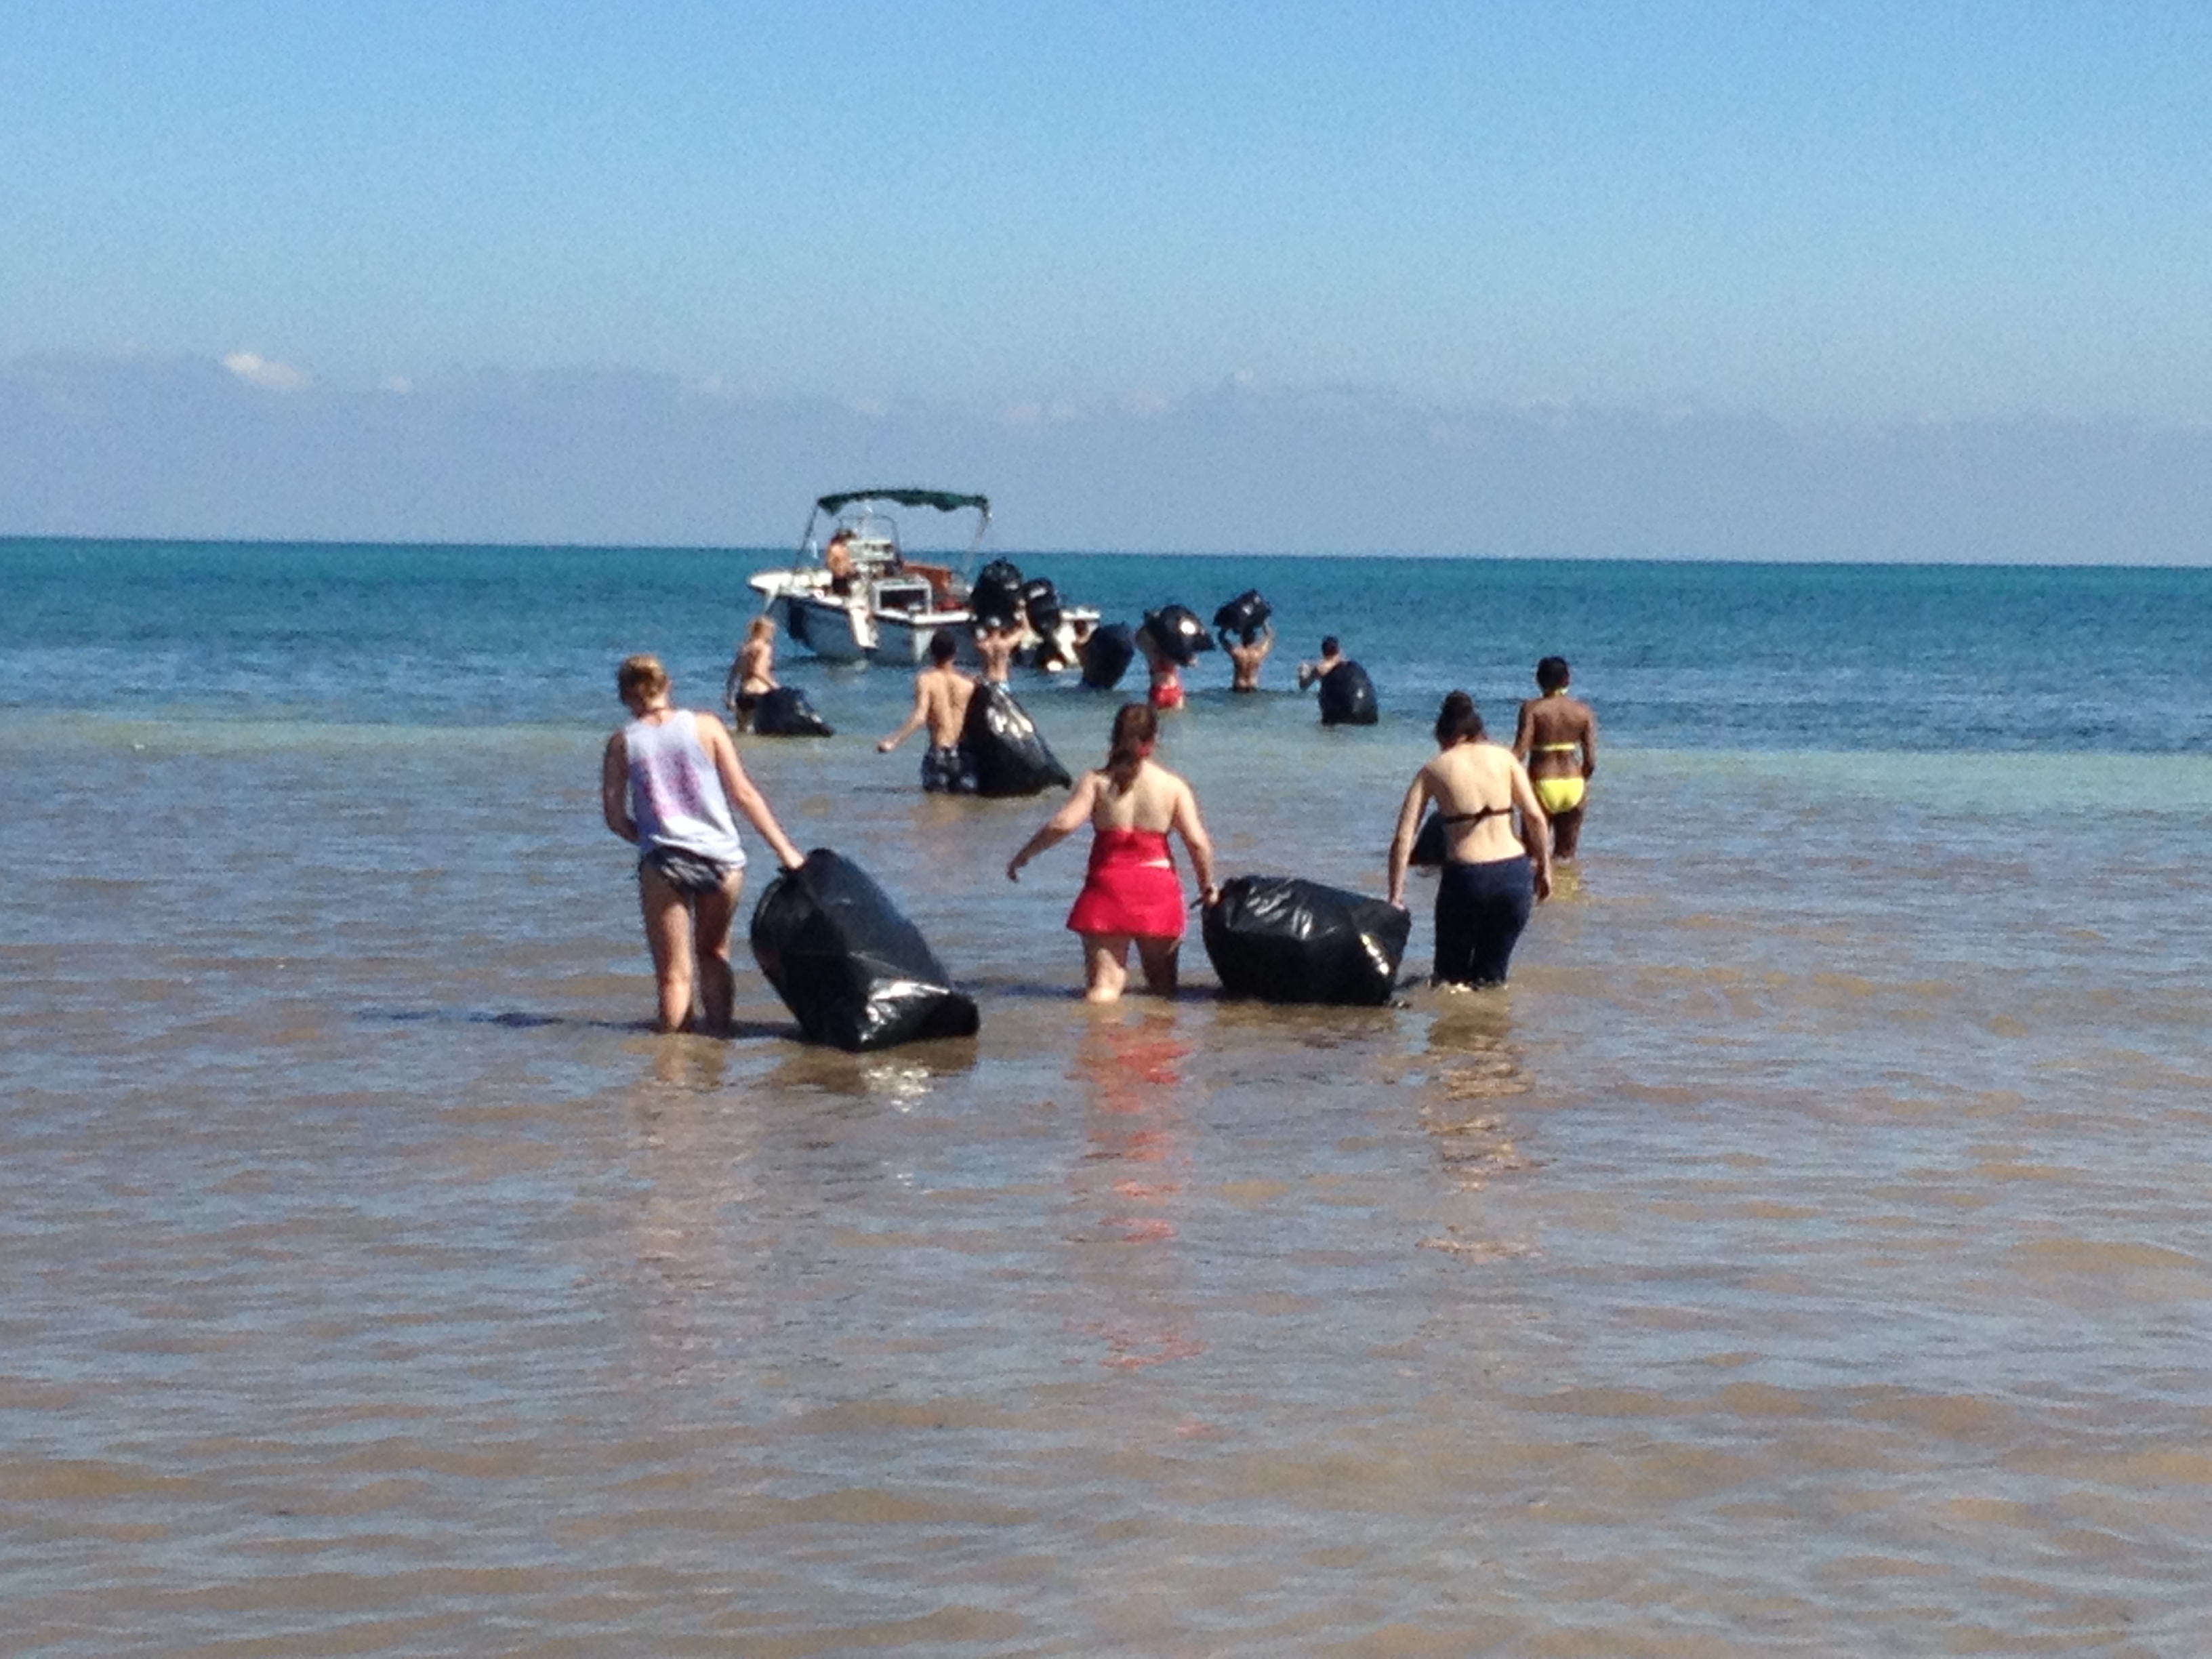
(1476, 818)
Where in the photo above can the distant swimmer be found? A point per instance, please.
(1164, 673)
(1332, 658)
(994, 644)
(751, 674)
(1492, 878)
(667, 783)
(1557, 739)
(941, 696)
(1131, 894)
(1247, 655)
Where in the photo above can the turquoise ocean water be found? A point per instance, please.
(1809, 1252)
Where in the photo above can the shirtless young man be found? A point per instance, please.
(995, 644)
(1332, 658)
(1247, 656)
(941, 696)
(752, 674)
(1556, 739)
(837, 560)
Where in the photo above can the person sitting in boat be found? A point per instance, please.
(1132, 894)
(752, 674)
(941, 696)
(837, 560)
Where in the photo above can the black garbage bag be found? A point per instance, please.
(785, 712)
(852, 970)
(1245, 617)
(1010, 753)
(1429, 846)
(1107, 655)
(995, 598)
(1179, 634)
(1282, 938)
(1041, 600)
(1347, 696)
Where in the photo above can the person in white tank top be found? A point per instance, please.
(667, 783)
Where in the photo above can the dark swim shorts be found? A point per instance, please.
(949, 771)
(687, 872)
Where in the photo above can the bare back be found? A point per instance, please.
(1151, 802)
(1557, 737)
(944, 694)
(1473, 785)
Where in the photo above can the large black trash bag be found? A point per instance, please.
(1179, 634)
(1347, 696)
(852, 970)
(995, 599)
(1041, 600)
(1107, 655)
(785, 712)
(1282, 938)
(1010, 753)
(1245, 617)
(1429, 846)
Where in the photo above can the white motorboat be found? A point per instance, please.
(854, 596)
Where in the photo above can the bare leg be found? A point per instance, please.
(1159, 957)
(668, 936)
(1105, 966)
(712, 915)
(1566, 831)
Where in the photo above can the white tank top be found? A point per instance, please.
(675, 796)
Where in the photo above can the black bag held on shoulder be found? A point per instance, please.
(854, 972)
(1010, 754)
(1282, 938)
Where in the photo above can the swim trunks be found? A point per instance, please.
(1168, 694)
(1131, 887)
(1480, 911)
(1559, 794)
(948, 770)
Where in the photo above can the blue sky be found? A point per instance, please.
(1857, 218)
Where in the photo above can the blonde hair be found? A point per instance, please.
(642, 674)
(761, 628)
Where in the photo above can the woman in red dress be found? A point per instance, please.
(1132, 893)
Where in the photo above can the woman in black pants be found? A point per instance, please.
(1492, 878)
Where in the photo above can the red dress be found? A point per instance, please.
(1131, 888)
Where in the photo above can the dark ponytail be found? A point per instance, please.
(1457, 720)
(1135, 729)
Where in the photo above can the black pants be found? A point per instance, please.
(1480, 911)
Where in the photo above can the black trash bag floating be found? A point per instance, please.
(1246, 616)
(1429, 846)
(1177, 631)
(853, 972)
(785, 712)
(1282, 938)
(1040, 601)
(1107, 655)
(995, 598)
(1347, 696)
(1010, 754)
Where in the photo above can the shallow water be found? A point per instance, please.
(1808, 1253)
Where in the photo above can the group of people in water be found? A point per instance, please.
(672, 785)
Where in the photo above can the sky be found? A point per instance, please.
(1760, 280)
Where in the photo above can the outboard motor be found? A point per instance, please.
(1245, 617)
(1040, 599)
(1107, 655)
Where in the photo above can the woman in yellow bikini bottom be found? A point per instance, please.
(1558, 794)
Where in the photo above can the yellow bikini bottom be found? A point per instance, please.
(1559, 794)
